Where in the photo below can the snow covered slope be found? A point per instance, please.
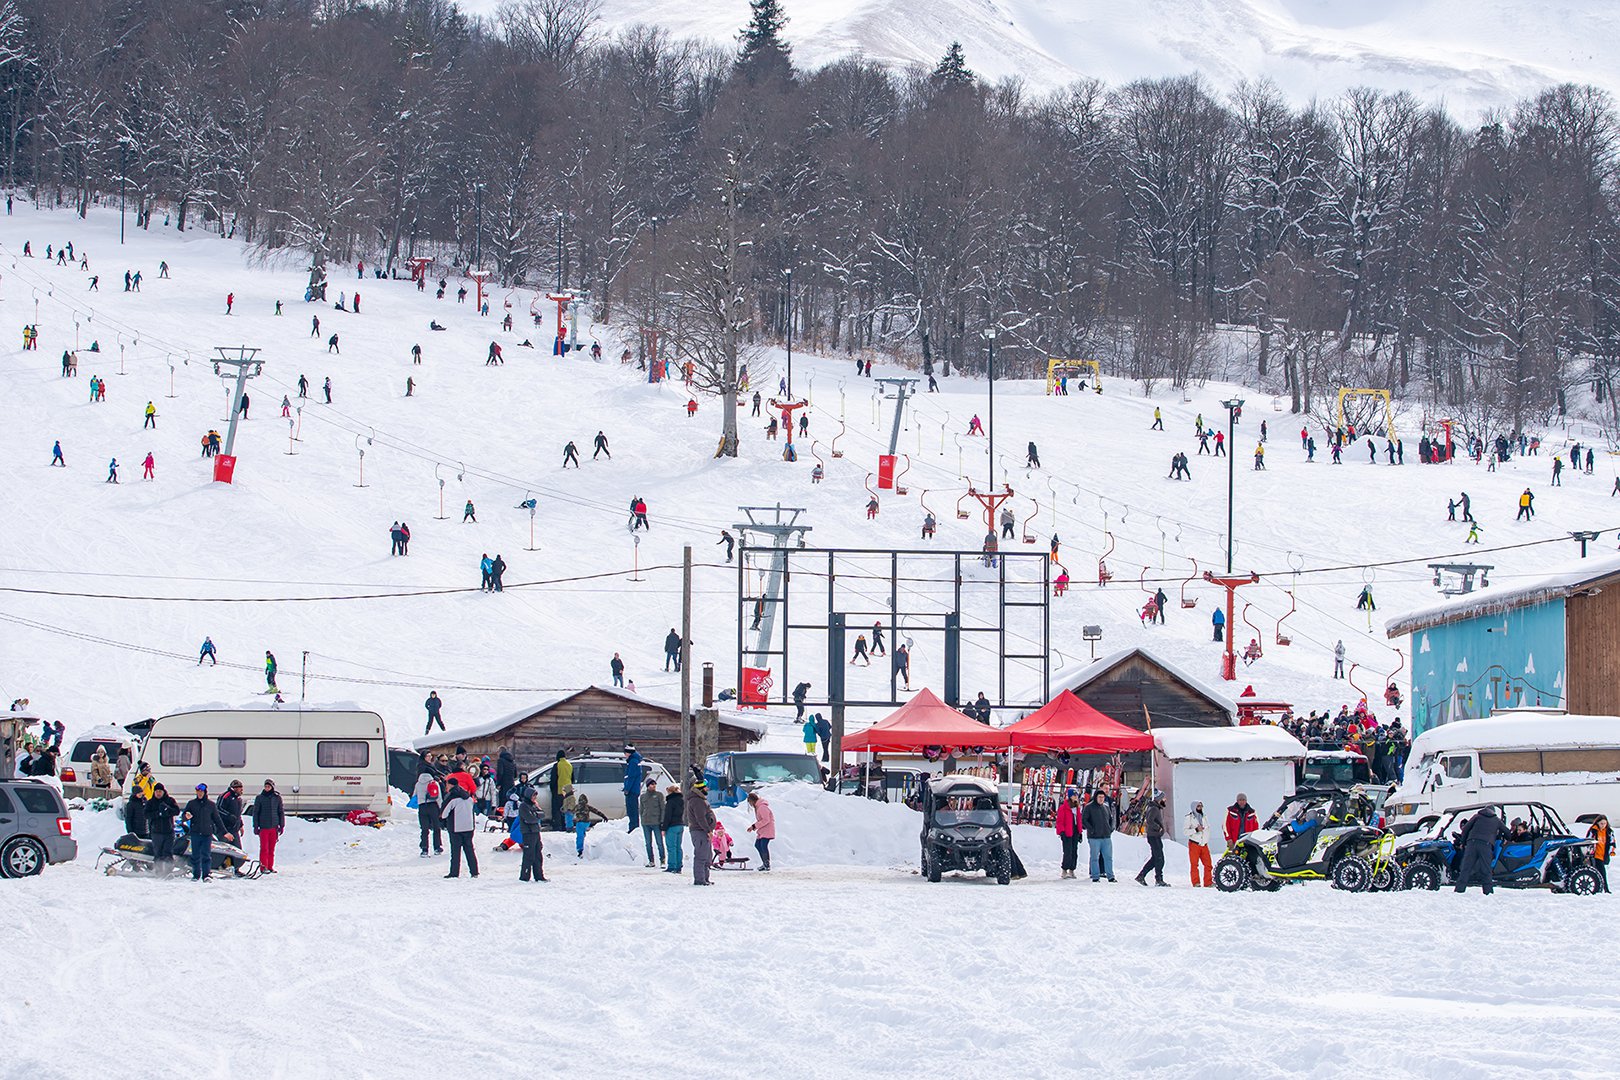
(1472, 54)
(298, 525)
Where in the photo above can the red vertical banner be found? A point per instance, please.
(756, 688)
(886, 471)
(224, 468)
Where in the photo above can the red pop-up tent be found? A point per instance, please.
(922, 722)
(1068, 724)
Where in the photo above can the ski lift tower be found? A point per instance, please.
(903, 388)
(784, 531)
(567, 314)
(246, 368)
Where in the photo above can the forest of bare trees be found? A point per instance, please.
(1366, 239)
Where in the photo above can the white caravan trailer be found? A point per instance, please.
(1571, 763)
(325, 761)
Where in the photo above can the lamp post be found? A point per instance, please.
(1232, 407)
(788, 274)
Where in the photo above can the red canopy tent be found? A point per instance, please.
(922, 722)
(1068, 724)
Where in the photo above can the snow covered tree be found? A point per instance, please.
(952, 71)
(764, 56)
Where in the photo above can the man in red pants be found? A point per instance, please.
(269, 821)
(1197, 835)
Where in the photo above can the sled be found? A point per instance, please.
(735, 862)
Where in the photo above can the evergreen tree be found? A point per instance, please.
(765, 56)
(952, 70)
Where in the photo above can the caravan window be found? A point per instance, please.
(1458, 768)
(233, 753)
(354, 754)
(1510, 761)
(1604, 760)
(180, 753)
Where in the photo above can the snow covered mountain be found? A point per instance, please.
(1471, 54)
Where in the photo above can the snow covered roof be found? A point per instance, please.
(962, 780)
(1515, 730)
(1257, 742)
(1495, 600)
(485, 728)
(1077, 676)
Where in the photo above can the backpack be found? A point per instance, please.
(433, 789)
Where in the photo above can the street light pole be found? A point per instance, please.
(1232, 407)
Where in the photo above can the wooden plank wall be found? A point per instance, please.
(1592, 651)
(594, 720)
(1121, 693)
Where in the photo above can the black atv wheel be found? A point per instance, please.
(1353, 873)
(1232, 873)
(1386, 878)
(999, 866)
(1583, 881)
(930, 866)
(1421, 875)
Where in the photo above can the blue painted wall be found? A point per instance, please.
(1469, 667)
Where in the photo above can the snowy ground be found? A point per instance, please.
(358, 960)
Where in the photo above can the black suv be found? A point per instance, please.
(964, 828)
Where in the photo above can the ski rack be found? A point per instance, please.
(1186, 603)
(1104, 575)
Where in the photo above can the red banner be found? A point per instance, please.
(886, 471)
(756, 688)
(224, 468)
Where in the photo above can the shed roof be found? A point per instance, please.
(485, 728)
(1497, 599)
(1077, 677)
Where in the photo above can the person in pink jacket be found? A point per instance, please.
(763, 828)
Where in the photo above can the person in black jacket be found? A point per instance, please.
(505, 774)
(161, 810)
(534, 861)
(672, 649)
(230, 814)
(269, 822)
(674, 823)
(1098, 822)
(202, 820)
(1153, 830)
(135, 814)
(1478, 842)
(799, 693)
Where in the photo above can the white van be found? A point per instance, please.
(325, 762)
(1571, 763)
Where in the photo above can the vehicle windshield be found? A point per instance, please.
(967, 810)
(1335, 772)
(774, 768)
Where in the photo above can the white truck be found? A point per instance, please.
(1570, 763)
(325, 761)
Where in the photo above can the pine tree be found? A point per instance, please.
(764, 55)
(952, 70)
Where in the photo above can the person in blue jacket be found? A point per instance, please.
(824, 731)
(810, 736)
(1218, 620)
(632, 785)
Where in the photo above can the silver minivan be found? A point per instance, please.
(34, 828)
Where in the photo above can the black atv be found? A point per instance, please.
(964, 828)
(1315, 838)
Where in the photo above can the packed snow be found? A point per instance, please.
(357, 959)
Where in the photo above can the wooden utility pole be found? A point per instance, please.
(686, 661)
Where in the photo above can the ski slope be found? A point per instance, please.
(1472, 55)
(293, 557)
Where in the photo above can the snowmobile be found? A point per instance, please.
(964, 828)
(1547, 855)
(1324, 837)
(133, 855)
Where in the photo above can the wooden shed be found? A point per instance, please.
(595, 718)
(1132, 685)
